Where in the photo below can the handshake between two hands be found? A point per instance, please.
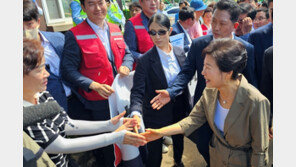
(132, 136)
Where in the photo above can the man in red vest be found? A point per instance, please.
(94, 52)
(136, 29)
(136, 32)
(138, 40)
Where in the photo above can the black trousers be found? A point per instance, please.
(76, 110)
(137, 162)
(201, 137)
(154, 157)
(180, 109)
(178, 147)
(154, 153)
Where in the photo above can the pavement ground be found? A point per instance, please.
(191, 157)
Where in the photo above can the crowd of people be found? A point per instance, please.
(228, 44)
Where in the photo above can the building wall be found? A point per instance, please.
(62, 27)
(42, 19)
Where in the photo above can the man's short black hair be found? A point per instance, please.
(30, 11)
(186, 13)
(252, 14)
(265, 10)
(231, 7)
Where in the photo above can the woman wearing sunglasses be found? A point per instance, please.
(157, 69)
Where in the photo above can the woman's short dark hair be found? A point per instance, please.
(229, 54)
(134, 4)
(161, 19)
(208, 9)
(32, 55)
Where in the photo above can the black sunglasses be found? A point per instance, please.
(160, 32)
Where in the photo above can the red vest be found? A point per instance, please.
(94, 63)
(143, 38)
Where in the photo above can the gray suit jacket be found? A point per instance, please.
(245, 140)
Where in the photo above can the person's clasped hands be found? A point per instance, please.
(104, 90)
(129, 124)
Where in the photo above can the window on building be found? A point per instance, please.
(57, 11)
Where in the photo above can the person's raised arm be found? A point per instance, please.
(247, 25)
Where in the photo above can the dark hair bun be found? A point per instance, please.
(230, 55)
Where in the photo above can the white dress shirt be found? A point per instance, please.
(169, 64)
(186, 33)
(103, 35)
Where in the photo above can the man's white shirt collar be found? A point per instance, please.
(186, 33)
(231, 37)
(95, 27)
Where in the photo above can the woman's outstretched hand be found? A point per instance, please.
(134, 139)
(128, 123)
(116, 119)
(152, 134)
(161, 99)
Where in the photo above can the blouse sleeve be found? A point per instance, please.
(259, 133)
(196, 118)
